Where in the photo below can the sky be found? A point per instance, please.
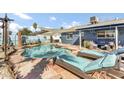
(55, 20)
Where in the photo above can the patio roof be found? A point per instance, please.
(49, 32)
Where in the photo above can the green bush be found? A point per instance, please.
(87, 44)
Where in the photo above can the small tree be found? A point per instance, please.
(25, 31)
(10, 32)
(61, 27)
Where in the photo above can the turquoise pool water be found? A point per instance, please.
(44, 51)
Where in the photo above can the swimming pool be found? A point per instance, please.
(84, 64)
(44, 51)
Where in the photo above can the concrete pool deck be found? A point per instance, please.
(38, 68)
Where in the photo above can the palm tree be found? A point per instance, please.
(35, 26)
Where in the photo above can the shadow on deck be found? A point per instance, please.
(36, 71)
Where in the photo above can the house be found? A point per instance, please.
(52, 35)
(101, 33)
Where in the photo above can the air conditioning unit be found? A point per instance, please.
(94, 20)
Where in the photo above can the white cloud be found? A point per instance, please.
(23, 16)
(48, 27)
(52, 18)
(74, 23)
(14, 27)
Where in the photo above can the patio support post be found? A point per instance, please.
(116, 37)
(5, 38)
(19, 39)
(80, 39)
(5, 21)
(3, 34)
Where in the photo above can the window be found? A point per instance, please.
(101, 34)
(69, 36)
(110, 34)
(106, 34)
